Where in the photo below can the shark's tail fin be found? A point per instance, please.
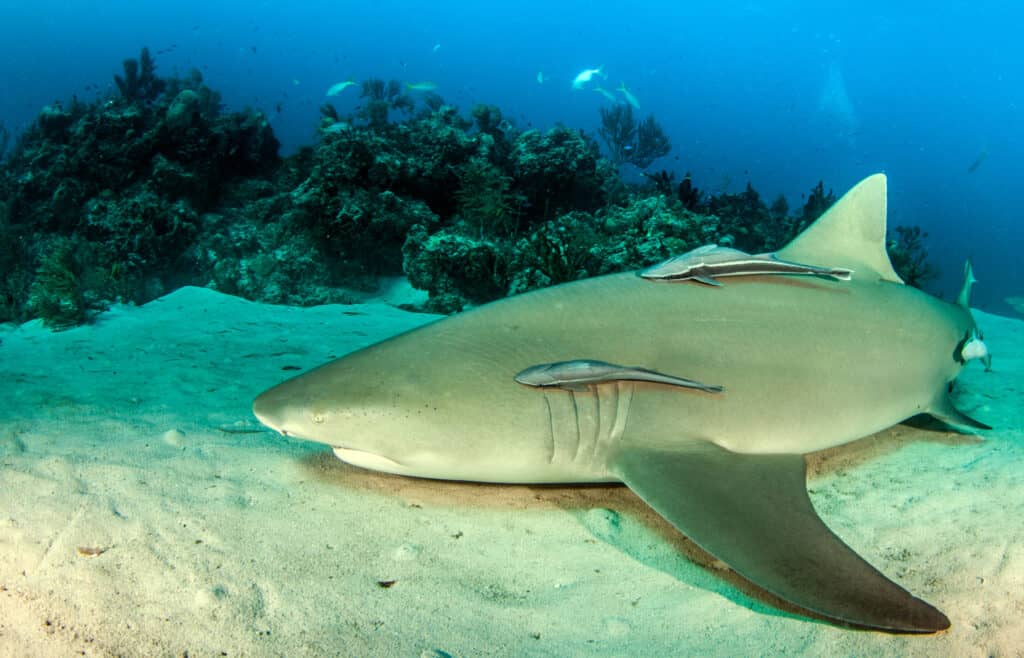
(964, 298)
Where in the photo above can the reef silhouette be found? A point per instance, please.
(127, 197)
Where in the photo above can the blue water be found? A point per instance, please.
(781, 94)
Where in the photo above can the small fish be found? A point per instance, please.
(630, 98)
(607, 94)
(437, 47)
(977, 162)
(426, 85)
(586, 75)
(705, 263)
(339, 87)
(540, 77)
(579, 374)
(336, 127)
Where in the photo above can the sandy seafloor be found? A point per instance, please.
(134, 436)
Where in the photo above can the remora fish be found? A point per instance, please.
(339, 87)
(705, 263)
(609, 96)
(579, 374)
(426, 85)
(585, 76)
(806, 368)
(630, 98)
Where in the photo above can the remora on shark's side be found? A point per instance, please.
(806, 364)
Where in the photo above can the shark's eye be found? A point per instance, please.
(318, 418)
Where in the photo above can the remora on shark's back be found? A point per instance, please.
(805, 363)
(705, 264)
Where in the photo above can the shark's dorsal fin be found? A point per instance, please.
(850, 234)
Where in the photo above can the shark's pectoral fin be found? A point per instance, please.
(753, 513)
(942, 408)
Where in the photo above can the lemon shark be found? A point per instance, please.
(702, 399)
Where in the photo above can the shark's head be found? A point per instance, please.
(292, 408)
(391, 408)
(350, 413)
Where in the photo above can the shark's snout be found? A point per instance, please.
(276, 408)
(265, 410)
(300, 409)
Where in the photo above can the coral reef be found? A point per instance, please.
(381, 99)
(123, 180)
(558, 171)
(140, 83)
(60, 295)
(909, 257)
(816, 205)
(455, 269)
(486, 200)
(5, 138)
(638, 144)
(130, 196)
(688, 194)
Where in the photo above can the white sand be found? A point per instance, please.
(134, 436)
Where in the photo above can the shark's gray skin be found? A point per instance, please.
(704, 264)
(806, 364)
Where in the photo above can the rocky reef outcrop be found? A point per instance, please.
(156, 186)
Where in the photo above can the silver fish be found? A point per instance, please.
(705, 263)
(578, 374)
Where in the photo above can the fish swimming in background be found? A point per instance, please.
(607, 94)
(977, 161)
(540, 77)
(426, 85)
(501, 394)
(630, 98)
(705, 263)
(339, 87)
(586, 75)
(336, 127)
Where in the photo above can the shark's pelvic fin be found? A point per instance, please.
(753, 513)
(942, 408)
(964, 298)
(850, 235)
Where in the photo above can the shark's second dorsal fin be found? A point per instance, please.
(964, 298)
(850, 234)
